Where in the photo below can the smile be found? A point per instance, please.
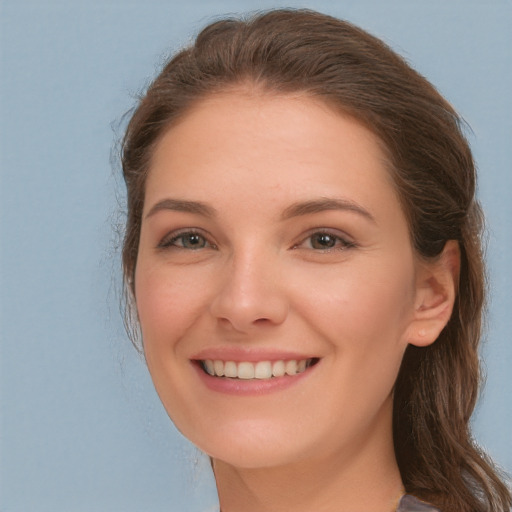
(262, 370)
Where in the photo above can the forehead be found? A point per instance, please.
(270, 146)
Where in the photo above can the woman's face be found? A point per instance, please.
(272, 242)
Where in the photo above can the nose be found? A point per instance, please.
(250, 294)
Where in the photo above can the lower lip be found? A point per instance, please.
(250, 386)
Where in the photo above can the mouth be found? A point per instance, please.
(259, 370)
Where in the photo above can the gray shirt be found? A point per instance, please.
(409, 503)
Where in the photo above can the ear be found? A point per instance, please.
(436, 289)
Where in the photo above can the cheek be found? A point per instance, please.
(362, 306)
(167, 305)
(365, 319)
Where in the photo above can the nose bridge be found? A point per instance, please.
(250, 288)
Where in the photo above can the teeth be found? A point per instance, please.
(245, 371)
(261, 370)
(209, 367)
(230, 369)
(278, 369)
(291, 367)
(218, 366)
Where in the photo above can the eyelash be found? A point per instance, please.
(171, 243)
(340, 243)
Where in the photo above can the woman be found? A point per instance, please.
(302, 251)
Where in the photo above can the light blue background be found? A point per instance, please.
(81, 427)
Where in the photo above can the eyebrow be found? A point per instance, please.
(180, 205)
(295, 210)
(325, 204)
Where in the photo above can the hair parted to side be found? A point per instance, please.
(290, 51)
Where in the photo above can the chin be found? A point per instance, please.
(255, 457)
(251, 446)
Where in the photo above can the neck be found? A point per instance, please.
(363, 480)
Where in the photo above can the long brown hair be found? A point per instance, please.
(285, 51)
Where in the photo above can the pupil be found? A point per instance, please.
(193, 241)
(323, 241)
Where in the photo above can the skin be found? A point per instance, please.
(257, 280)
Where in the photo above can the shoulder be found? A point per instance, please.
(409, 503)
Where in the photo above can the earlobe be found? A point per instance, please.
(436, 290)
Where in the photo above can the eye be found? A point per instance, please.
(325, 241)
(189, 240)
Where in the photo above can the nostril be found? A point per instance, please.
(262, 320)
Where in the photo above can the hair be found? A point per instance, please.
(302, 51)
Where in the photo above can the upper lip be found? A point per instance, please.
(239, 354)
